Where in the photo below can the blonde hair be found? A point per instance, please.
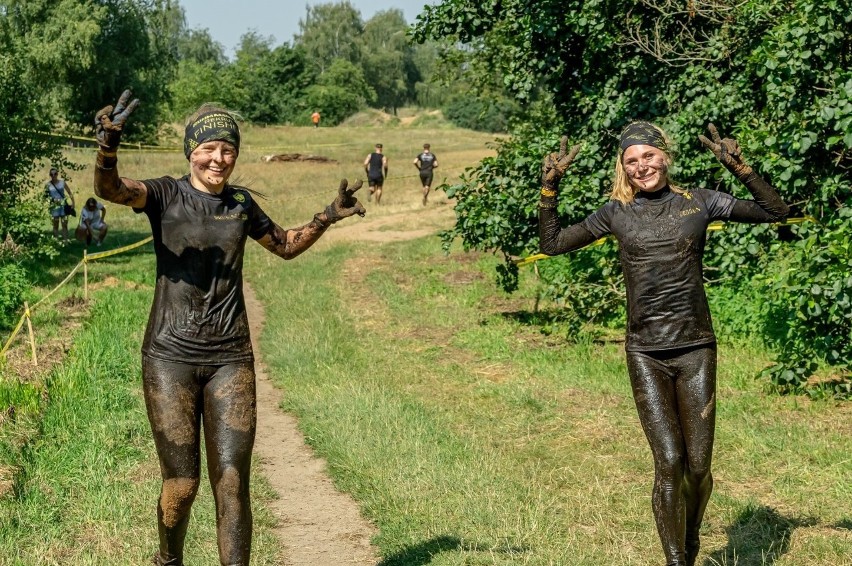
(623, 191)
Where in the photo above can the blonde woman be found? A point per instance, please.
(197, 360)
(670, 344)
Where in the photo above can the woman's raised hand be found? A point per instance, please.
(345, 204)
(110, 120)
(555, 164)
(726, 150)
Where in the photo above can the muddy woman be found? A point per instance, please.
(670, 345)
(197, 361)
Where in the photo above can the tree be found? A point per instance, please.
(387, 59)
(340, 92)
(328, 32)
(23, 240)
(267, 85)
(775, 74)
(83, 53)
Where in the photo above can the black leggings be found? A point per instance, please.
(675, 394)
(177, 396)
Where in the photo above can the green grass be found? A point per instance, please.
(466, 435)
(470, 437)
(88, 480)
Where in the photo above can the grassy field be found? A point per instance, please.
(466, 435)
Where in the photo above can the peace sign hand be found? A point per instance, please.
(555, 164)
(727, 151)
(345, 204)
(110, 120)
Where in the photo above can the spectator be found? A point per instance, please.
(92, 219)
(59, 193)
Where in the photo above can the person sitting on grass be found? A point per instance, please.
(197, 361)
(92, 219)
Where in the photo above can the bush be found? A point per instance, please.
(474, 113)
(14, 286)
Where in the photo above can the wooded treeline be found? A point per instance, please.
(81, 53)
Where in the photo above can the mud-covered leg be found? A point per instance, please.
(696, 393)
(654, 394)
(172, 397)
(230, 417)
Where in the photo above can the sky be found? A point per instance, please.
(228, 20)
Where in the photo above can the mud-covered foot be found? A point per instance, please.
(157, 560)
(692, 548)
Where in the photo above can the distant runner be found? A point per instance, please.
(376, 166)
(426, 162)
(315, 118)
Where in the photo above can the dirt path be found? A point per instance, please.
(318, 525)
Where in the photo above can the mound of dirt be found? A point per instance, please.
(297, 157)
(371, 117)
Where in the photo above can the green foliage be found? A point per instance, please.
(388, 59)
(83, 54)
(329, 32)
(14, 284)
(481, 114)
(811, 303)
(775, 75)
(341, 92)
(268, 85)
(22, 236)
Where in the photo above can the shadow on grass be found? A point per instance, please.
(423, 553)
(72, 253)
(759, 537)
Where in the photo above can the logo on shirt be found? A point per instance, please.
(239, 197)
(688, 211)
(233, 216)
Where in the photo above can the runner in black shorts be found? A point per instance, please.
(426, 162)
(376, 166)
(671, 348)
(197, 360)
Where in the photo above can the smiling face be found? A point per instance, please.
(211, 164)
(646, 167)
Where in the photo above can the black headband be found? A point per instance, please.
(642, 133)
(215, 125)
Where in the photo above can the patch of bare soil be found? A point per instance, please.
(394, 225)
(316, 523)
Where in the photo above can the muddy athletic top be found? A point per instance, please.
(375, 167)
(661, 238)
(198, 315)
(427, 162)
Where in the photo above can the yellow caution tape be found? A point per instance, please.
(101, 255)
(88, 258)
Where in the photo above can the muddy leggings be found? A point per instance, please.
(179, 397)
(675, 394)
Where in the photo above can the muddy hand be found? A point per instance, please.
(727, 151)
(345, 204)
(555, 164)
(110, 121)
